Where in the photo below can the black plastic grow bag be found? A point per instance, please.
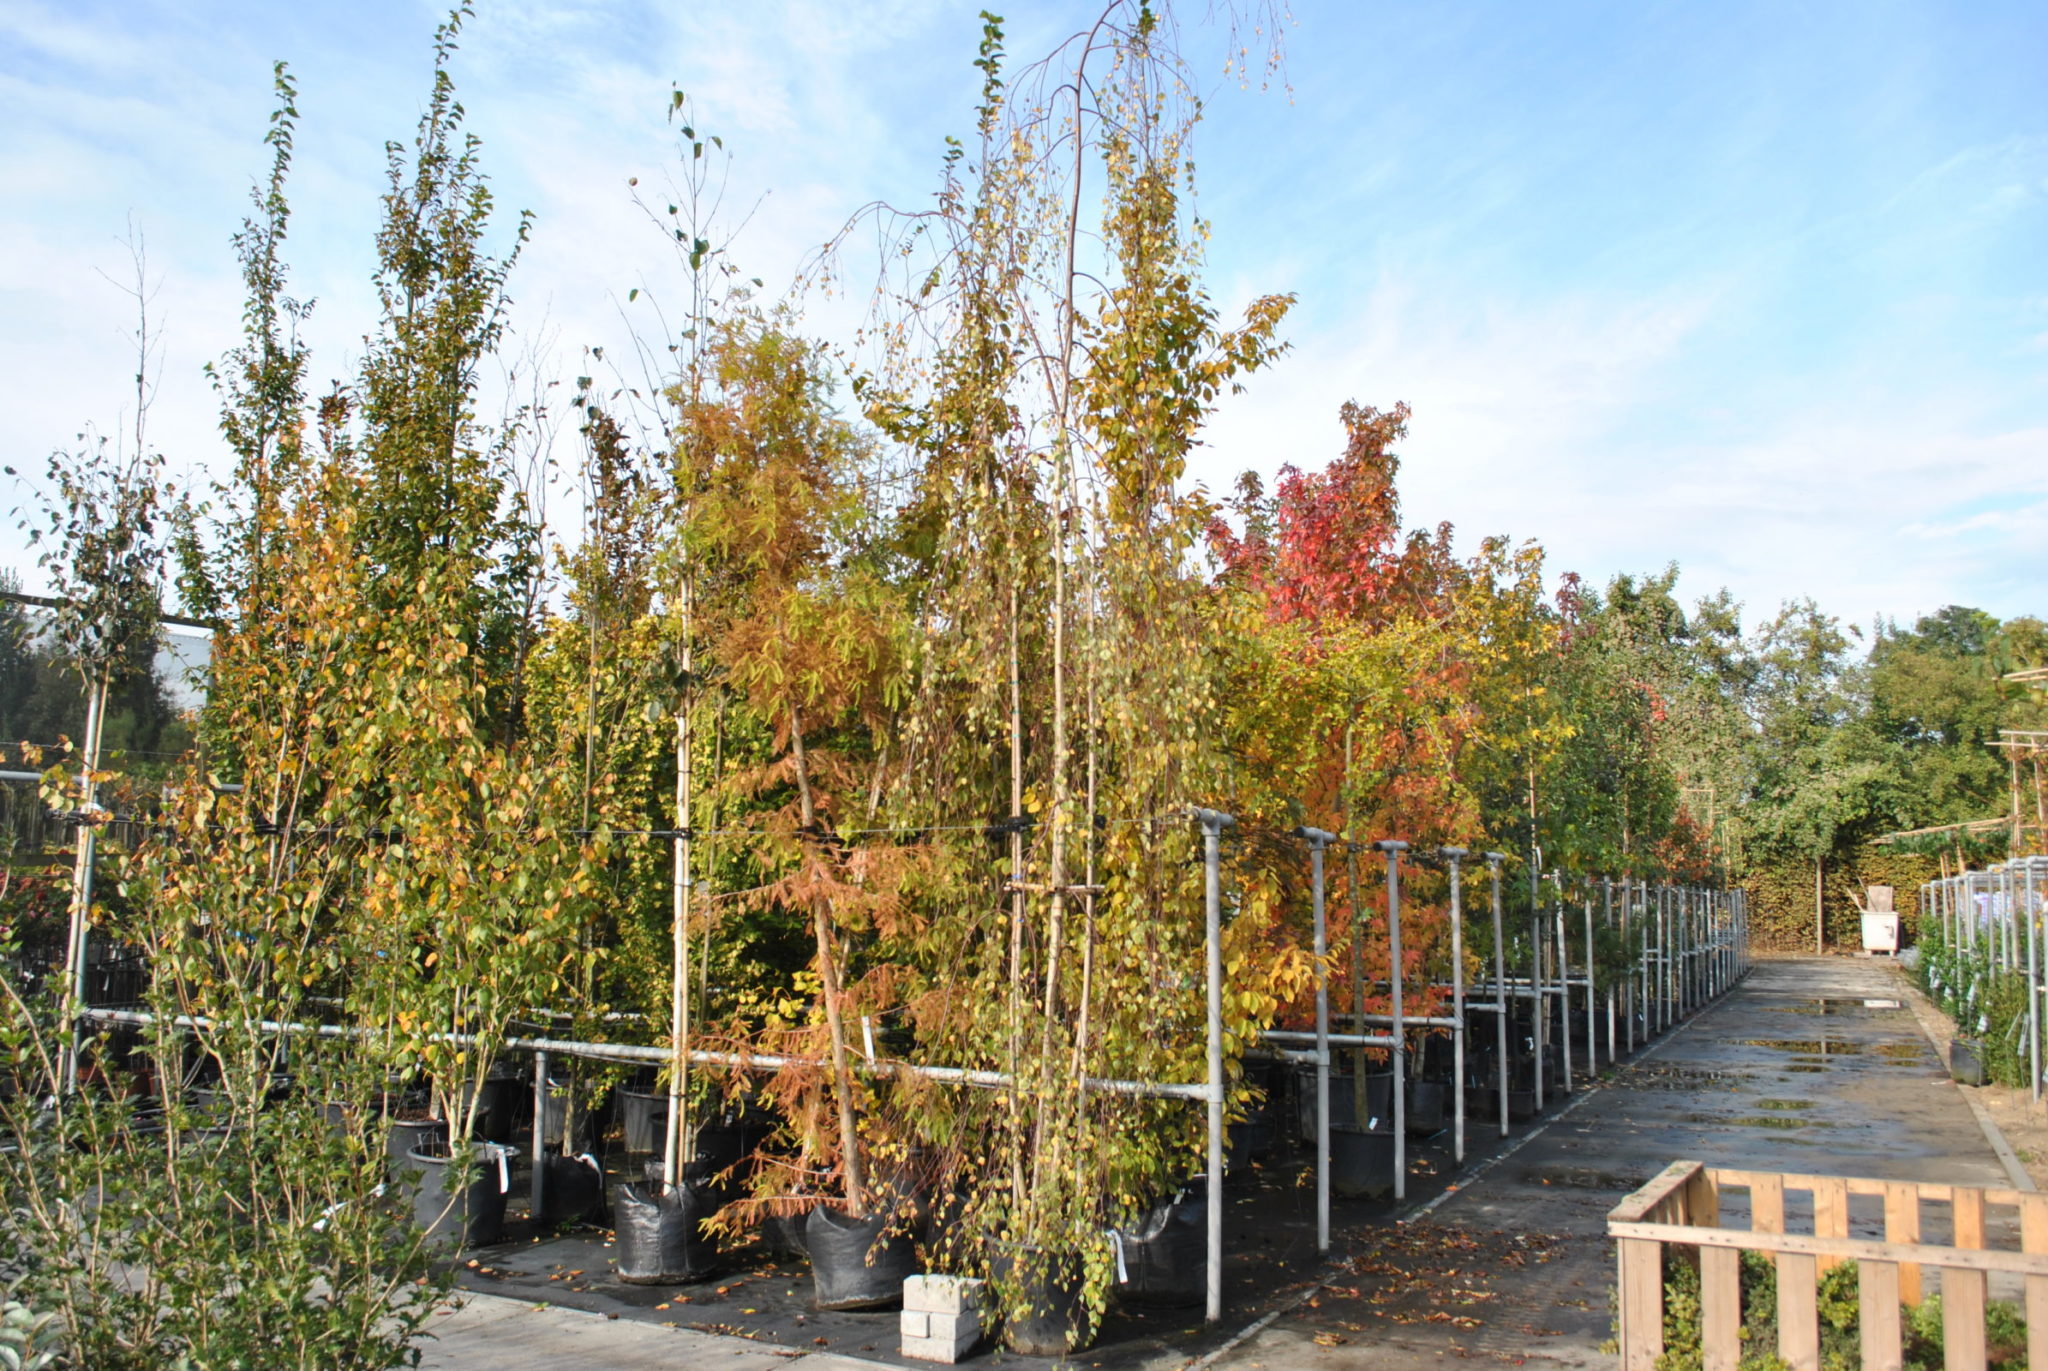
(857, 1263)
(660, 1234)
(1166, 1253)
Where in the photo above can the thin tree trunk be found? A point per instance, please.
(81, 879)
(1820, 923)
(1016, 1013)
(828, 972)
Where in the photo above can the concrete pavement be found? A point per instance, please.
(1812, 1064)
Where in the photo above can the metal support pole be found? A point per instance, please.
(540, 1135)
(1539, 1017)
(1613, 990)
(1592, 1000)
(1564, 983)
(2033, 910)
(1393, 848)
(1213, 823)
(1500, 988)
(1318, 840)
(1457, 856)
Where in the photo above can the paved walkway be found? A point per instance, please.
(492, 1333)
(1812, 1064)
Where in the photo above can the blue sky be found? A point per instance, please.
(1759, 288)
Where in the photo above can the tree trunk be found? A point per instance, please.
(1820, 920)
(828, 972)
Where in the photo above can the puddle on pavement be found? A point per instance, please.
(1833, 1007)
(1783, 1105)
(1810, 1047)
(1809, 1069)
(1685, 1078)
(1584, 1178)
(1902, 1052)
(1782, 1122)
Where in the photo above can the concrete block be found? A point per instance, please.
(944, 1294)
(942, 1348)
(915, 1323)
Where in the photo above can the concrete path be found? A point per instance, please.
(1812, 1065)
(492, 1333)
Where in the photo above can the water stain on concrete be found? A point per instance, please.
(1811, 1047)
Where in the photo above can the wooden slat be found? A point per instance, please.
(1798, 1311)
(1962, 1292)
(1902, 1227)
(1830, 1214)
(2034, 1238)
(1642, 1304)
(1851, 1249)
(1934, 1192)
(1766, 1204)
(1877, 1290)
(1639, 1204)
(1703, 1200)
(1720, 1308)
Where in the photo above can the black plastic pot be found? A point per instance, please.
(1361, 1162)
(1966, 1061)
(1043, 1299)
(402, 1136)
(1251, 1140)
(574, 1192)
(1426, 1102)
(495, 1117)
(474, 1216)
(660, 1234)
(857, 1263)
(730, 1141)
(638, 1115)
(558, 1115)
(1379, 1097)
(1166, 1253)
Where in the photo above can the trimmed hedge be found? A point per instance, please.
(1781, 897)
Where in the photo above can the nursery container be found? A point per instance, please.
(402, 1136)
(1166, 1252)
(1049, 1290)
(1379, 1096)
(1966, 1061)
(661, 1240)
(1426, 1106)
(475, 1217)
(856, 1263)
(643, 1119)
(1252, 1140)
(574, 1192)
(1362, 1162)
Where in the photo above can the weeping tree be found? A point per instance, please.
(1049, 382)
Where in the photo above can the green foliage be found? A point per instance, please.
(29, 1341)
(1839, 1306)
